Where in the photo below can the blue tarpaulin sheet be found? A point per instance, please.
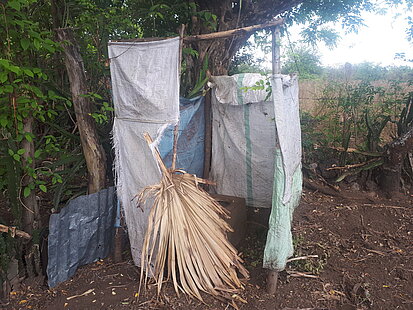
(80, 234)
(190, 149)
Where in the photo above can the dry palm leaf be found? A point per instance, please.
(188, 234)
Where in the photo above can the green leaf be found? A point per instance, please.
(28, 137)
(28, 72)
(21, 151)
(11, 153)
(37, 154)
(16, 157)
(4, 122)
(198, 88)
(25, 43)
(50, 48)
(43, 188)
(4, 63)
(48, 41)
(14, 69)
(14, 4)
(26, 192)
(3, 77)
(37, 44)
(36, 91)
(7, 88)
(23, 100)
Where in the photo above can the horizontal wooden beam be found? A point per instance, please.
(214, 35)
(233, 32)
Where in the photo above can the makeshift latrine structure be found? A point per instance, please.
(256, 152)
(256, 145)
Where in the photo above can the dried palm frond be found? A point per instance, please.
(188, 234)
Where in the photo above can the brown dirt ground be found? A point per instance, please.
(365, 261)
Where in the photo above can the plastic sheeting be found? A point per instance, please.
(227, 89)
(80, 234)
(243, 140)
(243, 148)
(287, 120)
(191, 136)
(256, 152)
(279, 244)
(145, 84)
(287, 173)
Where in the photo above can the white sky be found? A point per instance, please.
(377, 42)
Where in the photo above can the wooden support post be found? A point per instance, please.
(272, 275)
(117, 252)
(276, 54)
(272, 281)
(176, 129)
(208, 134)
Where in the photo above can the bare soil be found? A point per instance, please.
(364, 261)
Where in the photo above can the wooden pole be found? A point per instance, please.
(276, 53)
(272, 281)
(208, 134)
(175, 147)
(272, 275)
(233, 32)
(215, 35)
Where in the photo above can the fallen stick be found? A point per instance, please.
(301, 258)
(327, 191)
(375, 251)
(80, 295)
(301, 274)
(14, 232)
(351, 166)
(383, 206)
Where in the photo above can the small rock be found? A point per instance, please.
(355, 186)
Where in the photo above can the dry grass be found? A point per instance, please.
(187, 235)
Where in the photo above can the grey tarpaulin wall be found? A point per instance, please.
(145, 84)
(243, 140)
(80, 234)
(256, 152)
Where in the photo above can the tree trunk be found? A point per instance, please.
(83, 106)
(396, 152)
(30, 214)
